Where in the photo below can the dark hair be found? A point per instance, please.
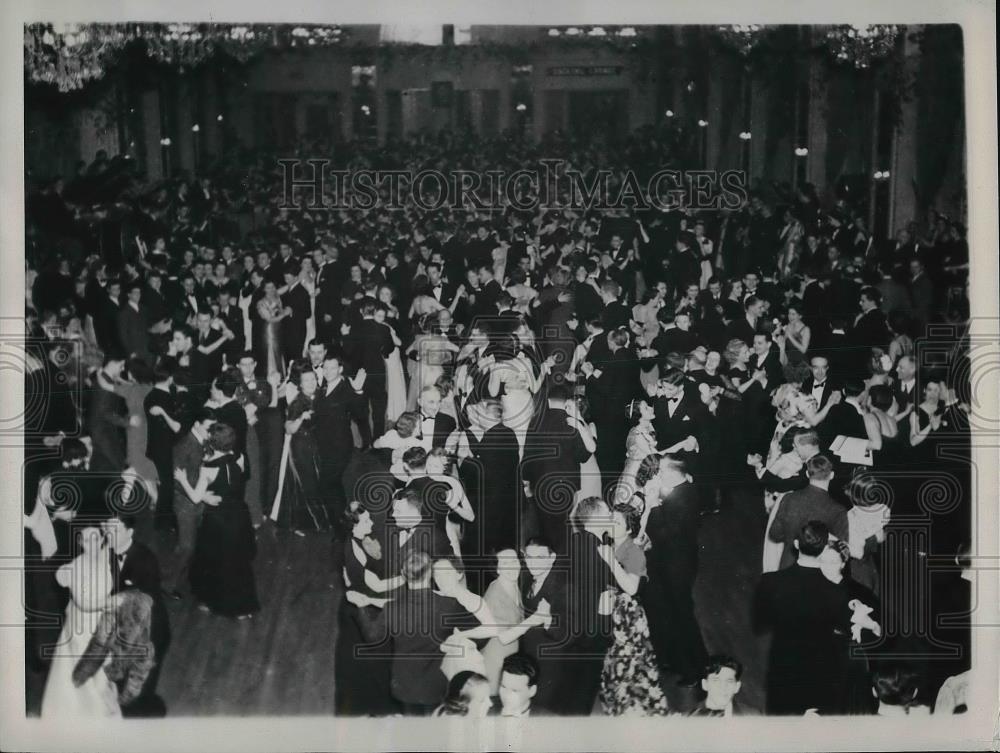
(71, 449)
(415, 457)
(896, 684)
(522, 665)
(459, 695)
(819, 467)
(813, 538)
(880, 396)
(222, 437)
(538, 541)
(227, 382)
(718, 662)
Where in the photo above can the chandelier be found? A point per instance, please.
(69, 56)
(861, 46)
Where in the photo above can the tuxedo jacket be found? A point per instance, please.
(298, 300)
(106, 325)
(689, 417)
(132, 332)
(828, 387)
(141, 570)
(332, 415)
(800, 507)
(368, 345)
(673, 534)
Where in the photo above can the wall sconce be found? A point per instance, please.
(702, 123)
(801, 151)
(195, 128)
(744, 135)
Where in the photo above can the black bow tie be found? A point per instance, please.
(673, 400)
(818, 385)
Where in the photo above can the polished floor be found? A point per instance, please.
(282, 661)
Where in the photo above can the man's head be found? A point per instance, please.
(813, 538)
(806, 444)
(119, 530)
(761, 343)
(594, 516)
(538, 557)
(114, 364)
(429, 401)
(317, 353)
(722, 681)
(671, 384)
(416, 569)
(333, 367)
(754, 306)
(869, 299)
(820, 367)
(407, 510)
(819, 468)
(518, 684)
(906, 369)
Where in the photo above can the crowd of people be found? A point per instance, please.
(554, 400)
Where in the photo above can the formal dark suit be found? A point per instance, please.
(570, 652)
(553, 453)
(811, 623)
(107, 419)
(333, 411)
(293, 328)
(233, 319)
(369, 344)
(672, 563)
(133, 333)
(828, 387)
(800, 507)
(140, 569)
(106, 325)
(741, 329)
(609, 395)
(922, 295)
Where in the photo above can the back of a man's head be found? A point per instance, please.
(819, 468)
(813, 538)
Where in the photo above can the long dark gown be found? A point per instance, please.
(362, 682)
(222, 566)
(300, 498)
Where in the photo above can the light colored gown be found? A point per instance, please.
(507, 611)
(89, 579)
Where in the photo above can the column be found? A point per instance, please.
(903, 205)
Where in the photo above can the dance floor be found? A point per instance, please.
(282, 661)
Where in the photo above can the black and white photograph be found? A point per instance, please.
(378, 365)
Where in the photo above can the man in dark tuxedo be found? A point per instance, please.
(675, 337)
(611, 384)
(553, 452)
(189, 303)
(485, 305)
(722, 683)
(765, 358)
(231, 317)
(904, 390)
(206, 355)
(335, 407)
(367, 346)
(819, 385)
(678, 418)
(433, 422)
(846, 417)
(673, 566)
(443, 291)
(921, 292)
(748, 325)
(133, 565)
(812, 503)
(329, 278)
(133, 332)
(499, 489)
(870, 330)
(811, 623)
(105, 316)
(293, 328)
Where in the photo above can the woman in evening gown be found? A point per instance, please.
(268, 345)
(88, 578)
(299, 507)
(222, 578)
(630, 682)
(395, 380)
(362, 682)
